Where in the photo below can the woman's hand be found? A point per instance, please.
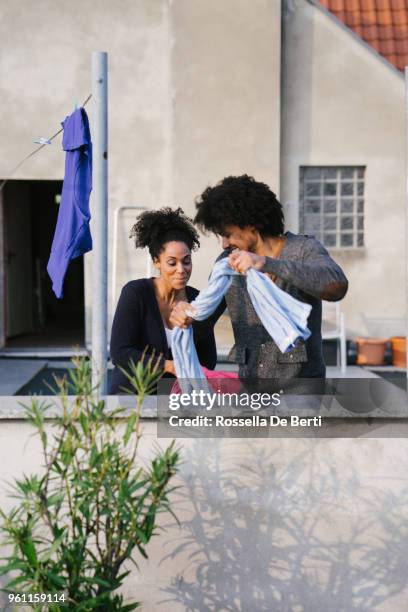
(169, 367)
(179, 316)
(242, 261)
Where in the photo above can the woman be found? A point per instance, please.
(141, 321)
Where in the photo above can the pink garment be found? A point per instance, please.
(224, 382)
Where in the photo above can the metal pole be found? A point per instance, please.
(406, 214)
(100, 221)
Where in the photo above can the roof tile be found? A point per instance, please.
(384, 5)
(386, 32)
(381, 23)
(401, 47)
(353, 19)
(398, 4)
(400, 18)
(370, 33)
(387, 47)
(368, 5)
(336, 5)
(384, 18)
(368, 17)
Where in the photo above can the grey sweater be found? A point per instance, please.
(306, 271)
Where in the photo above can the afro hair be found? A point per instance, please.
(241, 201)
(154, 228)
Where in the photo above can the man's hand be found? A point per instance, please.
(242, 261)
(179, 316)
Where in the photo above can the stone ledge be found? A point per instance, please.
(11, 407)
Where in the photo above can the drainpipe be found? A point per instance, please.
(100, 216)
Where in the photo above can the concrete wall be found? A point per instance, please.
(343, 105)
(267, 524)
(46, 67)
(226, 99)
(194, 95)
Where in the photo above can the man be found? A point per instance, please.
(249, 219)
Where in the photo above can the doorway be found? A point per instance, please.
(34, 319)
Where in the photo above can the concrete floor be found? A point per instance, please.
(14, 373)
(48, 337)
(17, 369)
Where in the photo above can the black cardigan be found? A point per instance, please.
(138, 324)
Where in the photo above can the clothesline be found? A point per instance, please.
(14, 170)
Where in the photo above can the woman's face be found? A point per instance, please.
(174, 263)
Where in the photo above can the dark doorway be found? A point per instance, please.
(34, 317)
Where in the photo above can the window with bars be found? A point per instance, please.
(332, 205)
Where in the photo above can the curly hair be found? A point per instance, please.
(241, 201)
(154, 228)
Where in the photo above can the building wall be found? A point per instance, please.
(226, 99)
(47, 68)
(265, 524)
(194, 91)
(343, 105)
(195, 95)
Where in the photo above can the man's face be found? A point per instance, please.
(235, 237)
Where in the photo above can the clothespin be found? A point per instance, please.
(75, 105)
(42, 141)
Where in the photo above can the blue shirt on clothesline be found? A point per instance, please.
(72, 236)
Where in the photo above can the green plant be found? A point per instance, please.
(77, 524)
